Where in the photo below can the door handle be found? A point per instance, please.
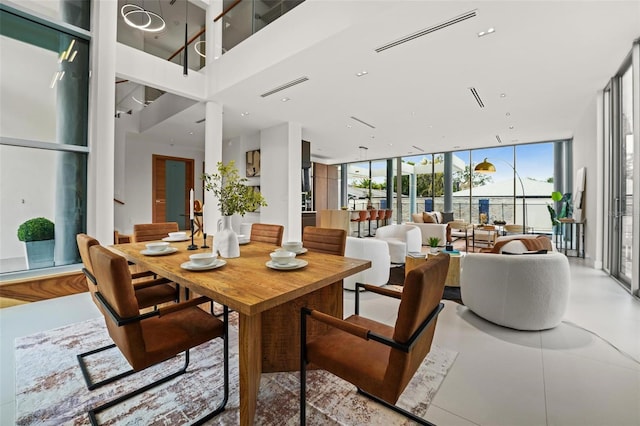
(160, 201)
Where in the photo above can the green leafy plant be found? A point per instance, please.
(233, 195)
(38, 229)
(434, 241)
(555, 196)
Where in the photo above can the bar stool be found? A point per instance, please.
(373, 215)
(387, 215)
(381, 215)
(362, 216)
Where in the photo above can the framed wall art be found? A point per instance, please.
(253, 163)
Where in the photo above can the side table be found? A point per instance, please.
(453, 274)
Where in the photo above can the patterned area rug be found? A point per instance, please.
(50, 389)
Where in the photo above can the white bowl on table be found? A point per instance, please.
(157, 247)
(282, 257)
(203, 259)
(293, 246)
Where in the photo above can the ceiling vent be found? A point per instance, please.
(418, 148)
(498, 139)
(477, 97)
(363, 122)
(285, 86)
(202, 120)
(428, 30)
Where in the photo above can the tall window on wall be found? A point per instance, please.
(43, 135)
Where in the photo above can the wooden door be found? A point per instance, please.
(159, 188)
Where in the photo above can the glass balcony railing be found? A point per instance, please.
(242, 18)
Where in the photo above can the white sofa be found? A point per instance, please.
(401, 240)
(525, 292)
(377, 251)
(428, 230)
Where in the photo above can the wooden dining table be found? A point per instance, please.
(268, 301)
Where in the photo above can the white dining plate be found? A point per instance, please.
(168, 250)
(191, 267)
(175, 239)
(294, 264)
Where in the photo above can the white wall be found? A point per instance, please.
(281, 169)
(584, 155)
(138, 169)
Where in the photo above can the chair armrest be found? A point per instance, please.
(150, 283)
(345, 326)
(383, 291)
(165, 310)
(142, 274)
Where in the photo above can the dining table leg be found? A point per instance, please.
(250, 365)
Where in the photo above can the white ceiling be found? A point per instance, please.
(548, 58)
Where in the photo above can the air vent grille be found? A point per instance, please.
(202, 120)
(428, 30)
(477, 97)
(498, 139)
(363, 122)
(418, 148)
(285, 86)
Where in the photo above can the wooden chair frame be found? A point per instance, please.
(363, 333)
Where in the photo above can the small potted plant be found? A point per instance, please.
(434, 242)
(234, 196)
(38, 237)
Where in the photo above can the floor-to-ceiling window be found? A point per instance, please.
(621, 139)
(43, 134)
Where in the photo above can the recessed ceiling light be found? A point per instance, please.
(373, 137)
(511, 127)
(487, 32)
(190, 133)
(503, 95)
(285, 99)
(508, 114)
(244, 114)
(349, 126)
(361, 73)
(390, 144)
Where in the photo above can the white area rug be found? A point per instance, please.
(50, 389)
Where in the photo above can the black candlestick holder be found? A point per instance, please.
(205, 241)
(192, 246)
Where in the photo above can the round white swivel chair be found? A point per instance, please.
(401, 240)
(525, 292)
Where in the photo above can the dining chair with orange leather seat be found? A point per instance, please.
(148, 292)
(152, 231)
(378, 359)
(267, 233)
(148, 339)
(324, 240)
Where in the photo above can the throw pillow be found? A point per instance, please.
(526, 252)
(427, 218)
(417, 218)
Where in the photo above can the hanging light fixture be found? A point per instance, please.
(185, 62)
(142, 19)
(198, 49)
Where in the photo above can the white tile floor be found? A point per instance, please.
(564, 376)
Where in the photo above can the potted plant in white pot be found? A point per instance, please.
(38, 237)
(433, 243)
(234, 196)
